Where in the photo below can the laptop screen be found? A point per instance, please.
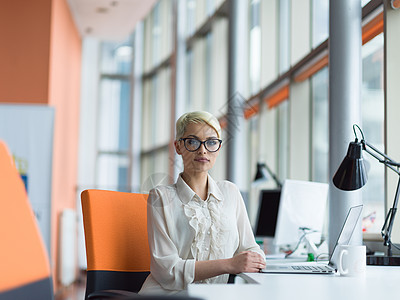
(347, 231)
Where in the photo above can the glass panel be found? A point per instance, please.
(189, 70)
(146, 171)
(190, 16)
(320, 126)
(162, 108)
(112, 172)
(373, 127)
(283, 139)
(161, 161)
(147, 115)
(114, 115)
(156, 34)
(209, 44)
(210, 7)
(116, 58)
(255, 46)
(320, 21)
(284, 35)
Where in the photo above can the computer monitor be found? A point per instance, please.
(302, 205)
(267, 213)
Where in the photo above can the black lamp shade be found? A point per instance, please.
(261, 173)
(351, 174)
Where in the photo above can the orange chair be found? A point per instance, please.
(24, 264)
(117, 250)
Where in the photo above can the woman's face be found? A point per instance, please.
(200, 160)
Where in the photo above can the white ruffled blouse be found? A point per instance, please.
(183, 229)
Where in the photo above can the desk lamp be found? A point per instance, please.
(351, 175)
(264, 173)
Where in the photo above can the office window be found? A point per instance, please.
(198, 75)
(284, 35)
(210, 7)
(208, 70)
(300, 30)
(268, 137)
(166, 30)
(156, 127)
(190, 17)
(113, 172)
(253, 157)
(269, 41)
(188, 81)
(254, 47)
(283, 139)
(373, 128)
(161, 99)
(156, 34)
(146, 135)
(320, 21)
(158, 37)
(219, 68)
(320, 126)
(147, 43)
(116, 58)
(114, 117)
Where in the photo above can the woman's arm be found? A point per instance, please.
(247, 261)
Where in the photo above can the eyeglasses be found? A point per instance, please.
(211, 145)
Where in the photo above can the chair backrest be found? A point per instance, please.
(24, 263)
(117, 249)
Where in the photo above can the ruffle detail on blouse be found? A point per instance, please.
(202, 224)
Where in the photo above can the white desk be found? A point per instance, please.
(378, 283)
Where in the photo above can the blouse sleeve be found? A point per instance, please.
(247, 241)
(167, 268)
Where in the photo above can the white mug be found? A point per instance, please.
(352, 260)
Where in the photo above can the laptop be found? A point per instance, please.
(321, 268)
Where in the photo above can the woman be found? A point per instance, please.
(198, 228)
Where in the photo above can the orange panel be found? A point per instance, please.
(251, 111)
(323, 62)
(278, 97)
(116, 231)
(372, 29)
(23, 258)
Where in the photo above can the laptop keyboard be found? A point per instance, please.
(313, 268)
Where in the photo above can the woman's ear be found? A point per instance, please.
(177, 145)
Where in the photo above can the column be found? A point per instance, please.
(344, 104)
(235, 131)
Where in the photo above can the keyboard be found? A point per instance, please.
(313, 268)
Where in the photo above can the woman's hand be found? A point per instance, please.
(246, 261)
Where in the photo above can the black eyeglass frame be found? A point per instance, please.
(201, 142)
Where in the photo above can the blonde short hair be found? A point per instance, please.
(196, 117)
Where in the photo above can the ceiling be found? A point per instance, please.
(108, 19)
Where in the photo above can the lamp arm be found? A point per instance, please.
(278, 183)
(387, 161)
(387, 227)
(389, 220)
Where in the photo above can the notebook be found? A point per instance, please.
(322, 268)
